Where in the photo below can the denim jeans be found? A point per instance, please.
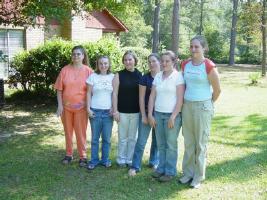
(127, 137)
(143, 133)
(167, 143)
(101, 124)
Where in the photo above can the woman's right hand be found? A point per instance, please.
(59, 110)
(152, 121)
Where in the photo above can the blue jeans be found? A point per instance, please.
(167, 143)
(101, 124)
(143, 133)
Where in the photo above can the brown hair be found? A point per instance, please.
(97, 68)
(202, 40)
(130, 52)
(82, 49)
(154, 55)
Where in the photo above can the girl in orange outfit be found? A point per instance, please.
(71, 97)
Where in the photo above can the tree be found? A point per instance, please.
(25, 12)
(175, 26)
(233, 33)
(201, 17)
(155, 38)
(263, 73)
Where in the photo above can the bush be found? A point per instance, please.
(254, 78)
(37, 69)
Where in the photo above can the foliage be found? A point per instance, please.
(254, 78)
(37, 69)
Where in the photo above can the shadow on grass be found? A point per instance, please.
(30, 167)
(250, 138)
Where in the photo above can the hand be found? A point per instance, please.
(59, 110)
(90, 113)
(171, 122)
(116, 116)
(152, 121)
(111, 112)
(144, 120)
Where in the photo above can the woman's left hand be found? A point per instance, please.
(171, 122)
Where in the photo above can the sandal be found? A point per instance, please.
(67, 160)
(83, 162)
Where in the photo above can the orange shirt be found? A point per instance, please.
(71, 81)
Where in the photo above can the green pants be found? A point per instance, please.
(196, 122)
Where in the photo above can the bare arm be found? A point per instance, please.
(60, 103)
(115, 84)
(142, 93)
(151, 103)
(213, 77)
(178, 106)
(89, 98)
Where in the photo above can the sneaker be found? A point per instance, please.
(165, 178)
(91, 166)
(185, 179)
(83, 162)
(132, 172)
(123, 165)
(156, 174)
(195, 184)
(107, 165)
(67, 160)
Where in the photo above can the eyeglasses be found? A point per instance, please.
(76, 54)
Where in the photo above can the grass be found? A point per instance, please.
(32, 144)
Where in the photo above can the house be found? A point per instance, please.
(88, 27)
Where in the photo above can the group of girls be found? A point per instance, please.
(161, 101)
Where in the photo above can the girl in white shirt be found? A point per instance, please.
(99, 107)
(167, 99)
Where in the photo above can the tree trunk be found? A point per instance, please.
(175, 26)
(233, 33)
(263, 64)
(201, 17)
(155, 41)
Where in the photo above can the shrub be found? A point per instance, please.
(254, 78)
(37, 69)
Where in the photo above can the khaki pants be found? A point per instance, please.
(196, 121)
(127, 136)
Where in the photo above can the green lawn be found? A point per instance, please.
(32, 145)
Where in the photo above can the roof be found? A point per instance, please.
(106, 21)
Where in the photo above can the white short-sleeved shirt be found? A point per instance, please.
(166, 91)
(102, 90)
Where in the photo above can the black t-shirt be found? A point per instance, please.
(128, 94)
(147, 81)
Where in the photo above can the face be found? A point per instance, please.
(103, 65)
(129, 62)
(154, 64)
(196, 49)
(77, 56)
(166, 63)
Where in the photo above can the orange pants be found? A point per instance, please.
(75, 120)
